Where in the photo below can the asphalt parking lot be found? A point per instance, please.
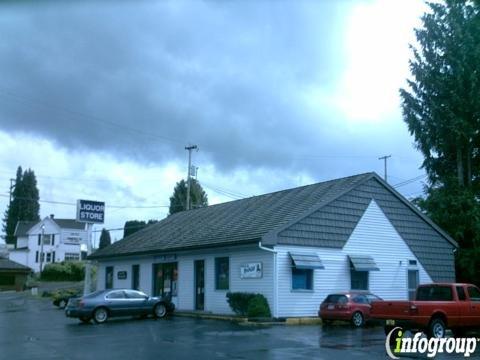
(31, 328)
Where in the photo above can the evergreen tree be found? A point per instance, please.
(24, 205)
(104, 239)
(441, 107)
(198, 197)
(132, 226)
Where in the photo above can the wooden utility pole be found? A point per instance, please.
(189, 148)
(384, 158)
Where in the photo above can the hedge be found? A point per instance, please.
(64, 271)
(248, 304)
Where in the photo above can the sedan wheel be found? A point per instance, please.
(357, 319)
(100, 315)
(159, 311)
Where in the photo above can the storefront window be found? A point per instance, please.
(222, 278)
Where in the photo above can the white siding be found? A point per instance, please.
(215, 300)
(375, 236)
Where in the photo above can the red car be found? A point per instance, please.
(353, 306)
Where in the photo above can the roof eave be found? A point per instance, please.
(170, 250)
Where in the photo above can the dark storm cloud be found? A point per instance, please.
(142, 79)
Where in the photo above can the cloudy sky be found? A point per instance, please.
(100, 98)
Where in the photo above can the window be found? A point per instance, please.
(474, 293)
(72, 257)
(116, 295)
(358, 280)
(360, 299)
(302, 279)
(165, 279)
(222, 277)
(53, 256)
(371, 298)
(49, 257)
(47, 239)
(412, 262)
(336, 299)
(135, 277)
(36, 257)
(109, 277)
(7, 280)
(413, 280)
(435, 293)
(135, 295)
(461, 293)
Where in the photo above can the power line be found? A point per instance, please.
(409, 181)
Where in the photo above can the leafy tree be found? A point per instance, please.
(25, 203)
(104, 239)
(132, 226)
(441, 107)
(198, 197)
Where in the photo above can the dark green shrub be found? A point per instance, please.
(248, 304)
(239, 301)
(64, 271)
(258, 307)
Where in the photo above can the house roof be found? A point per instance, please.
(23, 227)
(9, 265)
(241, 221)
(69, 224)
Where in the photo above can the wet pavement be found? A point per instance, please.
(32, 328)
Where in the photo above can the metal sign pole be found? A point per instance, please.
(87, 287)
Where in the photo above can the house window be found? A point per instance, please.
(47, 239)
(136, 277)
(53, 256)
(358, 280)
(72, 257)
(49, 257)
(222, 277)
(413, 281)
(36, 257)
(109, 277)
(302, 279)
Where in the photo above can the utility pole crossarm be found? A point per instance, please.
(384, 158)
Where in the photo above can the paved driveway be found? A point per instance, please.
(34, 329)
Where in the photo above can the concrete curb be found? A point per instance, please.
(246, 321)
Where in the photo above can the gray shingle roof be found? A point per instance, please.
(323, 215)
(23, 227)
(69, 224)
(9, 265)
(239, 221)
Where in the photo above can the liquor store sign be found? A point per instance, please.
(89, 211)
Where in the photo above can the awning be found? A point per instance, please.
(363, 263)
(306, 261)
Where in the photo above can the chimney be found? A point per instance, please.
(52, 216)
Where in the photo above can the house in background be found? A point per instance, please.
(293, 246)
(63, 240)
(13, 276)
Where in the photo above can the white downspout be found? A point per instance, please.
(275, 290)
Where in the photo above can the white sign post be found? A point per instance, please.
(90, 212)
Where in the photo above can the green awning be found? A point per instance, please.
(306, 261)
(363, 263)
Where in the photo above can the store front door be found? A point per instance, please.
(165, 277)
(199, 284)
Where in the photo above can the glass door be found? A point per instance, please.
(165, 279)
